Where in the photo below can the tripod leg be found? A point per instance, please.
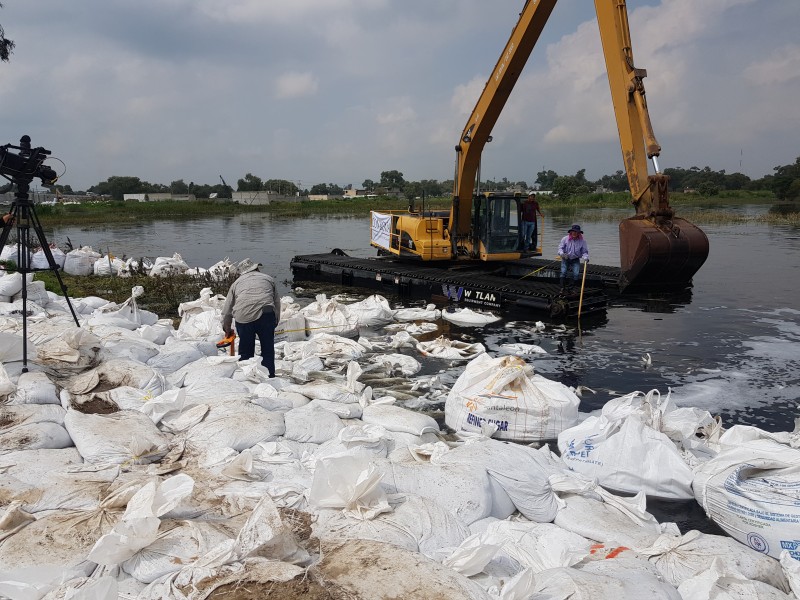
(37, 227)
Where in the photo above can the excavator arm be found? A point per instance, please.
(477, 131)
(656, 248)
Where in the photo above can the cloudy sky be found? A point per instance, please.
(336, 91)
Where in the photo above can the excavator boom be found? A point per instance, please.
(656, 248)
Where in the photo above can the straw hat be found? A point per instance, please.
(247, 265)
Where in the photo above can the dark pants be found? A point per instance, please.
(570, 266)
(264, 328)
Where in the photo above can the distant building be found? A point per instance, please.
(160, 197)
(135, 197)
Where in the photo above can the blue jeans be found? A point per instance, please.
(529, 234)
(573, 264)
(264, 328)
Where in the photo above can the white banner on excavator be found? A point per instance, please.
(381, 227)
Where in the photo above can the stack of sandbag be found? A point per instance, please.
(504, 396)
(80, 261)
(610, 447)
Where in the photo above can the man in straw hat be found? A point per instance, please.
(573, 251)
(254, 305)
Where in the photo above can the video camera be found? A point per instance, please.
(24, 166)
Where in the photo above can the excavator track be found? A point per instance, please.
(476, 285)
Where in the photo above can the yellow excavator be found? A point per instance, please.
(656, 247)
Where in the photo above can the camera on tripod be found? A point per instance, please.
(22, 167)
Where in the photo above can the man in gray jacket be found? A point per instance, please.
(254, 305)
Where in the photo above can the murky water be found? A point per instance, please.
(730, 346)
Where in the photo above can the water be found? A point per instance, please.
(729, 346)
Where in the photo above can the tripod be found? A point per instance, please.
(23, 214)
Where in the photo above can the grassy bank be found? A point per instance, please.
(691, 206)
(121, 212)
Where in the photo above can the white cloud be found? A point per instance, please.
(169, 89)
(781, 66)
(296, 85)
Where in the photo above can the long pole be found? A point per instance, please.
(583, 283)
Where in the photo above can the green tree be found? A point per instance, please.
(392, 179)
(250, 183)
(618, 182)
(117, 186)
(281, 186)
(6, 45)
(178, 187)
(368, 185)
(564, 187)
(736, 181)
(783, 182)
(546, 179)
(319, 188)
(708, 188)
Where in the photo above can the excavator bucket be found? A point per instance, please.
(660, 253)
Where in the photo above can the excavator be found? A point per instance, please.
(657, 248)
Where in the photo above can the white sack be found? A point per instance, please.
(80, 261)
(371, 312)
(681, 558)
(291, 329)
(237, 425)
(33, 387)
(429, 313)
(327, 316)
(753, 492)
(466, 317)
(397, 418)
(724, 582)
(448, 349)
(504, 393)
(312, 423)
(124, 437)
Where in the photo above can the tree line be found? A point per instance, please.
(784, 183)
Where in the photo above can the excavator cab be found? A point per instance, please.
(496, 219)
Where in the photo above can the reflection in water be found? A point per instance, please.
(656, 302)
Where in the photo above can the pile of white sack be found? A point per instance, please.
(139, 461)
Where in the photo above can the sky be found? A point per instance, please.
(337, 91)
